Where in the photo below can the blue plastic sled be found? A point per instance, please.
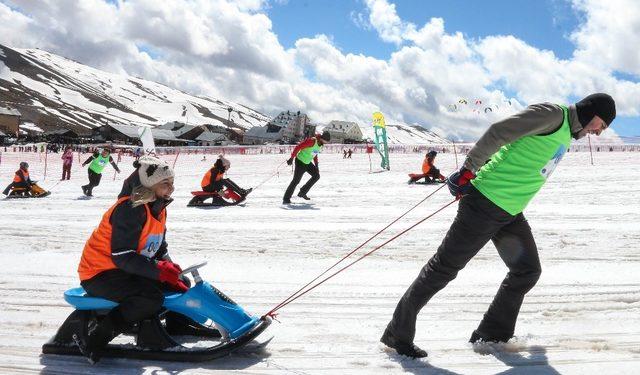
(203, 311)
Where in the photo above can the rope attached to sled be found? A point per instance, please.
(270, 177)
(302, 291)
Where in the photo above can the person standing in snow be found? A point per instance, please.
(98, 161)
(67, 162)
(304, 153)
(522, 151)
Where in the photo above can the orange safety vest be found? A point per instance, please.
(17, 178)
(206, 180)
(96, 255)
(425, 166)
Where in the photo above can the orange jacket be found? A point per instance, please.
(426, 165)
(206, 180)
(96, 255)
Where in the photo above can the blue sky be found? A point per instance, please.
(543, 24)
(345, 59)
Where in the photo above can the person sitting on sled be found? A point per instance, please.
(22, 182)
(429, 171)
(214, 181)
(126, 259)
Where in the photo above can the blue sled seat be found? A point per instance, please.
(78, 298)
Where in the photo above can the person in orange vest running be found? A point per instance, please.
(429, 171)
(126, 259)
(214, 181)
(304, 153)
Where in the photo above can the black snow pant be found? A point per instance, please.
(66, 172)
(299, 170)
(16, 185)
(478, 220)
(225, 182)
(139, 298)
(94, 180)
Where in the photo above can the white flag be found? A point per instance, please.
(146, 137)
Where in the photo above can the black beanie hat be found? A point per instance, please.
(326, 135)
(598, 104)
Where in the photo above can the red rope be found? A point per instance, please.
(358, 248)
(271, 313)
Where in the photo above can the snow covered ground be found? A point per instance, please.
(582, 317)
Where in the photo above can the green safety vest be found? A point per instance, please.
(306, 154)
(98, 164)
(518, 170)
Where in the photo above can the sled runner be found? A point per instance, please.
(225, 198)
(414, 178)
(203, 313)
(34, 192)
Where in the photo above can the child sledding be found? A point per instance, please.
(430, 173)
(218, 190)
(22, 186)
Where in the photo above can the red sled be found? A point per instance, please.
(224, 198)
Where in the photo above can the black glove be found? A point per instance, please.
(458, 182)
(290, 161)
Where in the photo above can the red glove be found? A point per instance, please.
(180, 286)
(169, 272)
(458, 182)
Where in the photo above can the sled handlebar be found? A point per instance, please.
(193, 270)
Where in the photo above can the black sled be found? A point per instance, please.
(203, 313)
(226, 197)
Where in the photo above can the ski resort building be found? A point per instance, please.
(344, 132)
(9, 121)
(128, 134)
(287, 127)
(205, 135)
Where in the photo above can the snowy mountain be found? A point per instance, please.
(52, 91)
(407, 134)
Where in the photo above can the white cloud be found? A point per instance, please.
(228, 49)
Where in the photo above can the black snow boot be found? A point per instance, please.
(99, 334)
(478, 337)
(304, 196)
(403, 348)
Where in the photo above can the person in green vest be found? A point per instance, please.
(501, 174)
(98, 161)
(305, 153)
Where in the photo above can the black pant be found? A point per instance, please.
(478, 220)
(94, 180)
(66, 171)
(299, 170)
(218, 185)
(16, 185)
(139, 297)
